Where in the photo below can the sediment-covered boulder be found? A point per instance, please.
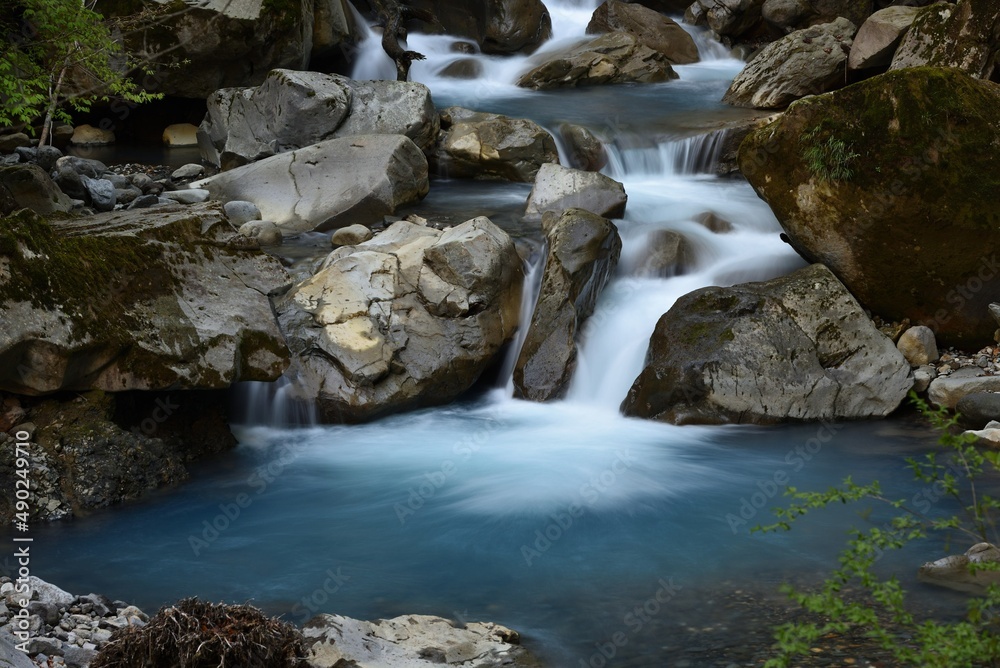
(334, 183)
(292, 110)
(414, 641)
(481, 145)
(892, 183)
(654, 30)
(410, 318)
(614, 58)
(583, 251)
(29, 187)
(879, 37)
(965, 35)
(558, 188)
(791, 349)
(805, 62)
(144, 300)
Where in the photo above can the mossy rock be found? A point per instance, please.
(892, 183)
(965, 35)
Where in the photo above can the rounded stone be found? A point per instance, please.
(240, 211)
(264, 231)
(352, 235)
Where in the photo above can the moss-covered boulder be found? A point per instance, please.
(791, 349)
(965, 35)
(893, 184)
(136, 300)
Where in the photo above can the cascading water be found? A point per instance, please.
(558, 520)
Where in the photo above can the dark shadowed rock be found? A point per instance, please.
(651, 28)
(965, 35)
(611, 59)
(29, 187)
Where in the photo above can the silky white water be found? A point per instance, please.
(560, 519)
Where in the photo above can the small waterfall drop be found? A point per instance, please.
(529, 297)
(278, 404)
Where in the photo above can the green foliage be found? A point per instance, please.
(830, 160)
(881, 612)
(59, 56)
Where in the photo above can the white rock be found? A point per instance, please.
(351, 235)
(189, 196)
(241, 211)
(558, 188)
(186, 172)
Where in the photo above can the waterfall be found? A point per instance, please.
(529, 297)
(633, 155)
(277, 404)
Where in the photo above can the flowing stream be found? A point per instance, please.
(565, 521)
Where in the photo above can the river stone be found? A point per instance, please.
(954, 571)
(180, 134)
(88, 135)
(176, 309)
(586, 151)
(29, 187)
(918, 345)
(392, 108)
(949, 390)
(43, 156)
(558, 188)
(805, 62)
(187, 195)
(100, 193)
(795, 348)
(964, 35)
(187, 172)
(730, 18)
(979, 408)
(654, 30)
(929, 187)
(785, 15)
(351, 235)
(614, 58)
(490, 146)
(666, 253)
(11, 142)
(331, 184)
(583, 251)
(240, 211)
(497, 26)
(264, 231)
(10, 656)
(879, 36)
(408, 319)
(411, 641)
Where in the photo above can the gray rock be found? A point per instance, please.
(795, 348)
(964, 35)
(351, 235)
(187, 172)
(954, 572)
(490, 146)
(731, 18)
(144, 202)
(979, 408)
(127, 195)
(918, 345)
(652, 29)
(95, 169)
(667, 253)
(805, 62)
(614, 58)
(141, 181)
(179, 308)
(10, 142)
(69, 182)
(264, 231)
(187, 196)
(100, 193)
(240, 211)
(28, 186)
(879, 36)
(49, 612)
(559, 188)
(785, 15)
(43, 156)
(78, 657)
(411, 641)
(391, 108)
(49, 593)
(922, 377)
(410, 318)
(10, 656)
(948, 390)
(331, 184)
(585, 149)
(583, 251)
(47, 646)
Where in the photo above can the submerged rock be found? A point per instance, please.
(959, 570)
(490, 146)
(614, 58)
(134, 300)
(583, 251)
(790, 349)
(805, 62)
(334, 183)
(410, 318)
(907, 222)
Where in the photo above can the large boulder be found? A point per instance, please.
(498, 26)
(292, 110)
(410, 318)
(965, 35)
(143, 300)
(879, 36)
(729, 18)
(29, 187)
(481, 145)
(196, 49)
(805, 62)
(411, 641)
(653, 29)
(791, 349)
(907, 221)
(583, 251)
(614, 58)
(558, 188)
(334, 183)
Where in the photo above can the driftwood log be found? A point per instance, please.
(392, 16)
